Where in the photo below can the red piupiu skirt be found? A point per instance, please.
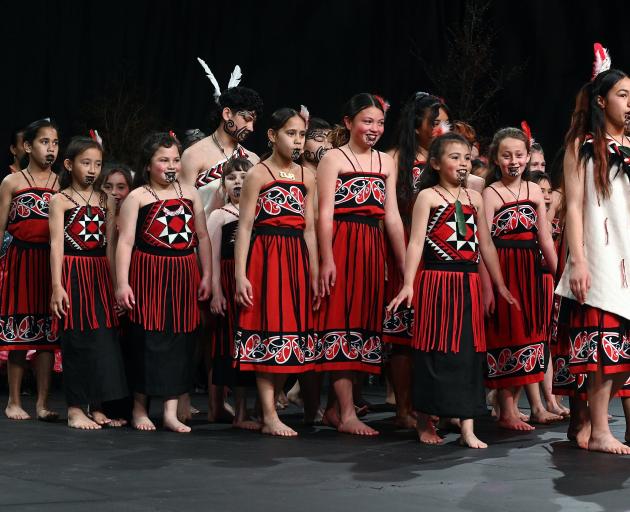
(350, 320)
(276, 334)
(93, 367)
(516, 343)
(25, 291)
(164, 320)
(449, 342)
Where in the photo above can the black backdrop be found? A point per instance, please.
(64, 56)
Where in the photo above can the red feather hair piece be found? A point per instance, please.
(384, 103)
(528, 133)
(602, 61)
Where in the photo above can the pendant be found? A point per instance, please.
(287, 175)
(460, 220)
(88, 210)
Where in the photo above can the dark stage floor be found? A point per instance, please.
(53, 468)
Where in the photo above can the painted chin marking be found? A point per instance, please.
(88, 180)
(461, 176)
(50, 159)
(370, 140)
(237, 191)
(295, 154)
(514, 171)
(170, 176)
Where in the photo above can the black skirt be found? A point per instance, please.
(451, 384)
(163, 361)
(225, 374)
(93, 367)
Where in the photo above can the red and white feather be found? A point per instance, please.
(95, 136)
(305, 114)
(442, 128)
(528, 133)
(384, 103)
(602, 60)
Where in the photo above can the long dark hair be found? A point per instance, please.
(589, 117)
(150, 145)
(430, 176)
(76, 146)
(493, 152)
(278, 119)
(340, 135)
(29, 134)
(415, 111)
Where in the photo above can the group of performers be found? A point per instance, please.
(464, 278)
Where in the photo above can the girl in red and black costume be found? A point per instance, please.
(159, 282)
(595, 281)
(356, 191)
(222, 226)
(517, 346)
(419, 116)
(83, 297)
(276, 278)
(449, 230)
(25, 320)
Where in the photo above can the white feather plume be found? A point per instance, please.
(305, 114)
(602, 59)
(99, 139)
(213, 80)
(442, 128)
(235, 77)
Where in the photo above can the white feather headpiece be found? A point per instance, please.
(235, 78)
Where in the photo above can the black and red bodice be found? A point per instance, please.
(84, 230)
(515, 221)
(28, 215)
(281, 204)
(443, 242)
(360, 193)
(167, 224)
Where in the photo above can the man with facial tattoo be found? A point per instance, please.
(202, 164)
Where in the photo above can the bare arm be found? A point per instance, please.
(204, 249)
(309, 232)
(327, 172)
(7, 188)
(580, 280)
(111, 234)
(59, 301)
(393, 221)
(247, 206)
(545, 240)
(215, 224)
(192, 165)
(127, 229)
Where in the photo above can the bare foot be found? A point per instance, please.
(78, 419)
(15, 412)
(560, 410)
(247, 425)
(523, 416)
(515, 424)
(583, 435)
(407, 422)
(361, 410)
(331, 418)
(294, 397)
(117, 422)
(356, 427)
(142, 423)
(471, 441)
(175, 425)
(428, 434)
(282, 401)
(608, 444)
(545, 417)
(194, 411)
(277, 428)
(100, 418)
(44, 414)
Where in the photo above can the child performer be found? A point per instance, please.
(517, 349)
(160, 283)
(25, 320)
(595, 279)
(116, 181)
(83, 296)
(449, 230)
(222, 226)
(356, 190)
(276, 279)
(316, 144)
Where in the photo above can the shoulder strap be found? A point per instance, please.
(27, 179)
(268, 170)
(527, 185)
(348, 158)
(380, 162)
(470, 200)
(229, 211)
(497, 193)
(70, 199)
(440, 194)
(302, 173)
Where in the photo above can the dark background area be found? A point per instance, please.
(79, 62)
